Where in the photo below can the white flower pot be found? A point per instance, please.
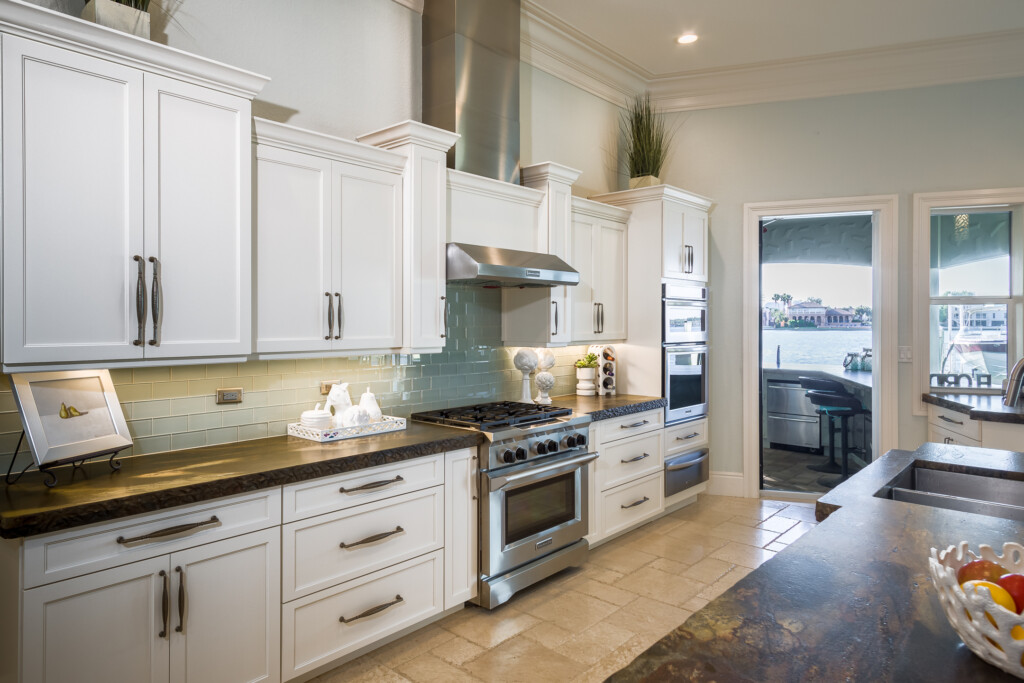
(118, 17)
(644, 181)
(585, 385)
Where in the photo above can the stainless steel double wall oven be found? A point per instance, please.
(684, 341)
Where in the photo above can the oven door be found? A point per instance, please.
(686, 382)
(531, 510)
(684, 322)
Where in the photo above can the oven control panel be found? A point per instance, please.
(513, 451)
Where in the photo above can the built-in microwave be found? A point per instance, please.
(685, 315)
(686, 382)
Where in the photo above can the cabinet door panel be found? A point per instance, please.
(198, 217)
(98, 628)
(584, 318)
(426, 234)
(232, 628)
(461, 571)
(610, 282)
(673, 249)
(368, 205)
(695, 238)
(293, 251)
(72, 212)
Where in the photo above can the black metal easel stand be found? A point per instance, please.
(50, 478)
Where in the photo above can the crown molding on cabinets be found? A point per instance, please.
(411, 132)
(597, 209)
(414, 5)
(551, 45)
(64, 31)
(305, 141)
(470, 183)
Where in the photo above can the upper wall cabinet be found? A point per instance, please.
(679, 218)
(598, 252)
(126, 220)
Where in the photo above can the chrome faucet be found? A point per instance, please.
(1014, 385)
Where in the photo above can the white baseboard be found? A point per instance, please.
(726, 484)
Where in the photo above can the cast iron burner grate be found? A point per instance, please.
(490, 416)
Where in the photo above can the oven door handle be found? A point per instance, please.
(541, 473)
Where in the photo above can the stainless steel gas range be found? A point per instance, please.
(533, 484)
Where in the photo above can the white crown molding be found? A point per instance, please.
(589, 207)
(305, 141)
(411, 132)
(551, 45)
(657, 193)
(414, 5)
(469, 183)
(65, 31)
(538, 174)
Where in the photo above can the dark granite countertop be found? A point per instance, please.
(851, 600)
(986, 407)
(607, 407)
(153, 482)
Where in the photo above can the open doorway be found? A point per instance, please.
(816, 349)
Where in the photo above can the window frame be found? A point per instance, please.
(925, 204)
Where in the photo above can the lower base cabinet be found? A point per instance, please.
(631, 504)
(205, 614)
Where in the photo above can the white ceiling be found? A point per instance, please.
(745, 32)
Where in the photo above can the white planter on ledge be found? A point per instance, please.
(644, 181)
(585, 385)
(118, 17)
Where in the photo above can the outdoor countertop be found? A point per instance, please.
(838, 372)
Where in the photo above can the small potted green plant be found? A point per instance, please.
(646, 141)
(586, 373)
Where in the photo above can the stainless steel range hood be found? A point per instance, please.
(496, 267)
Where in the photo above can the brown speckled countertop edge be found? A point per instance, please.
(1009, 416)
(32, 524)
(622, 411)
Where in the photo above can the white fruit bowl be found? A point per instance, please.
(992, 642)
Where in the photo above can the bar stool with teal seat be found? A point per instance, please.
(829, 386)
(841, 407)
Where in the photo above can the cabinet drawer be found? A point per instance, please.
(955, 422)
(314, 558)
(313, 635)
(686, 436)
(629, 459)
(630, 425)
(62, 555)
(938, 434)
(364, 486)
(625, 507)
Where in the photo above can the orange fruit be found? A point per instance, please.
(1017, 632)
(999, 594)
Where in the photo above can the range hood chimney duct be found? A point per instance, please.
(471, 82)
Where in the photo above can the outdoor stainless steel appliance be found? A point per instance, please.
(533, 492)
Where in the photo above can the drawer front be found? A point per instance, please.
(624, 507)
(630, 459)
(955, 422)
(630, 425)
(313, 635)
(686, 436)
(314, 558)
(364, 486)
(938, 434)
(65, 554)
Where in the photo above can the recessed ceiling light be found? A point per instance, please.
(687, 38)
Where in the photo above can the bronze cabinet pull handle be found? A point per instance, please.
(330, 316)
(166, 604)
(373, 539)
(444, 317)
(338, 294)
(158, 301)
(140, 300)
(687, 437)
(596, 330)
(639, 457)
(373, 610)
(169, 531)
(341, 315)
(635, 503)
(555, 304)
(182, 600)
(949, 419)
(372, 485)
(641, 423)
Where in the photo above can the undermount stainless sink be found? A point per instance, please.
(981, 493)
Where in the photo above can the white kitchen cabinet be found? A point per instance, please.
(209, 613)
(151, 173)
(684, 242)
(461, 569)
(598, 252)
(330, 243)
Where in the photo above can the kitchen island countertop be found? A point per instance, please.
(851, 600)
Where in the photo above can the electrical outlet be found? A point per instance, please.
(325, 386)
(229, 395)
(906, 354)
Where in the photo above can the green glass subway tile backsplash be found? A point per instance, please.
(174, 407)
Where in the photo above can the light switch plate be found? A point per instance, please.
(229, 395)
(325, 386)
(906, 354)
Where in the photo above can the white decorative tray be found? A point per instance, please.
(987, 630)
(387, 424)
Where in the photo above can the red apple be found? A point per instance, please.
(1014, 585)
(980, 570)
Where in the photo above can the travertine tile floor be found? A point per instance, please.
(586, 623)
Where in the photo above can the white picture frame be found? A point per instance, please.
(70, 415)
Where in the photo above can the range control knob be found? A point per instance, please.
(581, 439)
(540, 448)
(552, 446)
(508, 455)
(520, 453)
(569, 441)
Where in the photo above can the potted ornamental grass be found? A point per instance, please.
(127, 16)
(586, 373)
(646, 141)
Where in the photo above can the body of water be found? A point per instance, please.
(812, 347)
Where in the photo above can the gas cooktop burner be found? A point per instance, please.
(491, 416)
